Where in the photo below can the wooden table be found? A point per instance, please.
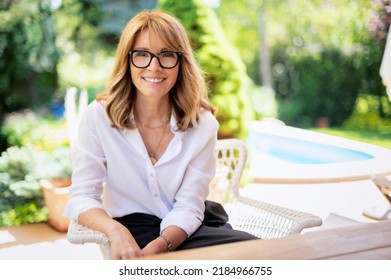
(367, 241)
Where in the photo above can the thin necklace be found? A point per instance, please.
(154, 127)
(152, 153)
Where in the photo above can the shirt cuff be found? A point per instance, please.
(76, 206)
(189, 222)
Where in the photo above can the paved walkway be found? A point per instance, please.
(41, 242)
(347, 200)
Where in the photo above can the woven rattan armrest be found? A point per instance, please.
(79, 234)
(268, 221)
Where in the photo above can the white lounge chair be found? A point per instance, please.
(381, 213)
(261, 219)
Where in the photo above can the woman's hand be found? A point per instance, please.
(123, 245)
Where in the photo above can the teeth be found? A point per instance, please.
(153, 80)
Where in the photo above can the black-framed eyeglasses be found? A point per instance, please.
(166, 59)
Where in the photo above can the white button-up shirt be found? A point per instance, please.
(112, 170)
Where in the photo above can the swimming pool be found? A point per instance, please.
(303, 151)
(280, 153)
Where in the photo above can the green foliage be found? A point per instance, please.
(21, 169)
(110, 16)
(241, 22)
(88, 31)
(22, 214)
(18, 187)
(85, 59)
(25, 128)
(17, 173)
(28, 55)
(326, 67)
(371, 113)
(225, 71)
(17, 163)
(39, 147)
(54, 165)
(323, 61)
(323, 84)
(39, 150)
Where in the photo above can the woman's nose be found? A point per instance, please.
(154, 65)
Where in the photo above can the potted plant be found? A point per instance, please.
(55, 173)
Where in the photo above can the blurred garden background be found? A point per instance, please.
(313, 64)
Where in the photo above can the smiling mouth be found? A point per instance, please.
(152, 80)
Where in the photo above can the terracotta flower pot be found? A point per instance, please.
(55, 194)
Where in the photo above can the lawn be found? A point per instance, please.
(382, 138)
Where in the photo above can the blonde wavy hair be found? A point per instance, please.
(188, 95)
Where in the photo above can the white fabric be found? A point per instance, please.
(112, 170)
(385, 68)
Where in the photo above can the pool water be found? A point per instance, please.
(300, 151)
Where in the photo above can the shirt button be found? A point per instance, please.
(156, 195)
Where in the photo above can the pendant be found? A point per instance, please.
(153, 160)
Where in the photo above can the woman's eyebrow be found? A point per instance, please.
(141, 49)
(147, 49)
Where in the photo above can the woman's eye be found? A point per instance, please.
(168, 54)
(143, 54)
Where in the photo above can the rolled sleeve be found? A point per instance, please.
(79, 205)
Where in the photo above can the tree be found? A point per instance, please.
(250, 28)
(311, 42)
(109, 16)
(379, 26)
(28, 55)
(88, 33)
(225, 71)
(328, 58)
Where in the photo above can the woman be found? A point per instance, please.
(144, 154)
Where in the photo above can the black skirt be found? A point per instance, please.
(214, 230)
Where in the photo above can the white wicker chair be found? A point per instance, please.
(261, 219)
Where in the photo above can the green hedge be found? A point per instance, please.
(324, 84)
(28, 55)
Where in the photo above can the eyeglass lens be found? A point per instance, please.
(142, 59)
